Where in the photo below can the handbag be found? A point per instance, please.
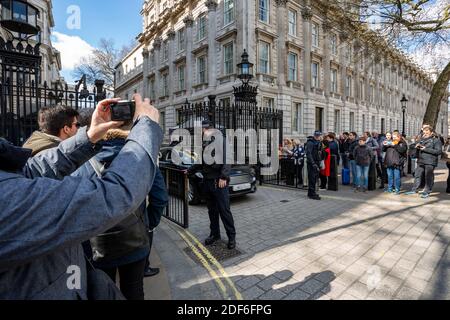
(322, 165)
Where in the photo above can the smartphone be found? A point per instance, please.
(123, 110)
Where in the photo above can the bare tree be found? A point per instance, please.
(101, 63)
(418, 27)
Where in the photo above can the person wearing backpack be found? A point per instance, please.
(125, 248)
(363, 156)
(394, 161)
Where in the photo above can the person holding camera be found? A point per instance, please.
(394, 161)
(125, 248)
(44, 224)
(428, 150)
(313, 160)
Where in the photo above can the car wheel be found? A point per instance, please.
(192, 195)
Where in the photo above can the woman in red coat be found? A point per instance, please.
(325, 171)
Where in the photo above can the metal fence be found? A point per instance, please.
(291, 173)
(177, 184)
(23, 93)
(294, 174)
(242, 115)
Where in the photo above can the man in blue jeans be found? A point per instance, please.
(362, 155)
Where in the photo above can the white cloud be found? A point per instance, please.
(72, 49)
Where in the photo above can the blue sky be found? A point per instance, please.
(112, 19)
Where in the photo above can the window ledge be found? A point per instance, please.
(180, 92)
(200, 85)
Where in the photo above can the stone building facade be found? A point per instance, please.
(128, 78)
(51, 58)
(320, 76)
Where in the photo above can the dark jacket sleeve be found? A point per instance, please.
(62, 161)
(436, 150)
(225, 172)
(309, 149)
(49, 215)
(402, 148)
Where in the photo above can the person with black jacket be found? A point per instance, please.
(429, 148)
(216, 179)
(363, 155)
(352, 144)
(344, 145)
(334, 147)
(313, 159)
(125, 248)
(394, 161)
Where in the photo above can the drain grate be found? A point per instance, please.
(284, 201)
(218, 250)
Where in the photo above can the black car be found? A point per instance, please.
(242, 178)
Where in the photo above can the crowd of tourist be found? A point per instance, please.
(357, 156)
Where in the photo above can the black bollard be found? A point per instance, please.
(333, 181)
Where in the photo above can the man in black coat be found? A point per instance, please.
(216, 179)
(429, 148)
(313, 158)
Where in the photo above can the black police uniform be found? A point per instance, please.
(313, 157)
(218, 200)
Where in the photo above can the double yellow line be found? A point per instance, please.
(209, 262)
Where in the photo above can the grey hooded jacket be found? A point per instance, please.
(45, 214)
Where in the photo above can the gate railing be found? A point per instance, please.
(177, 183)
(20, 103)
(23, 94)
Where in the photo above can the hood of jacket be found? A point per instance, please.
(40, 141)
(111, 146)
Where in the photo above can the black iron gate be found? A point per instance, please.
(23, 93)
(243, 115)
(177, 185)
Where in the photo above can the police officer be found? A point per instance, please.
(313, 158)
(216, 179)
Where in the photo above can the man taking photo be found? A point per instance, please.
(45, 223)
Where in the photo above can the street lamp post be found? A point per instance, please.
(245, 92)
(404, 102)
(245, 69)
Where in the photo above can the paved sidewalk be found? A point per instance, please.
(347, 246)
(181, 278)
